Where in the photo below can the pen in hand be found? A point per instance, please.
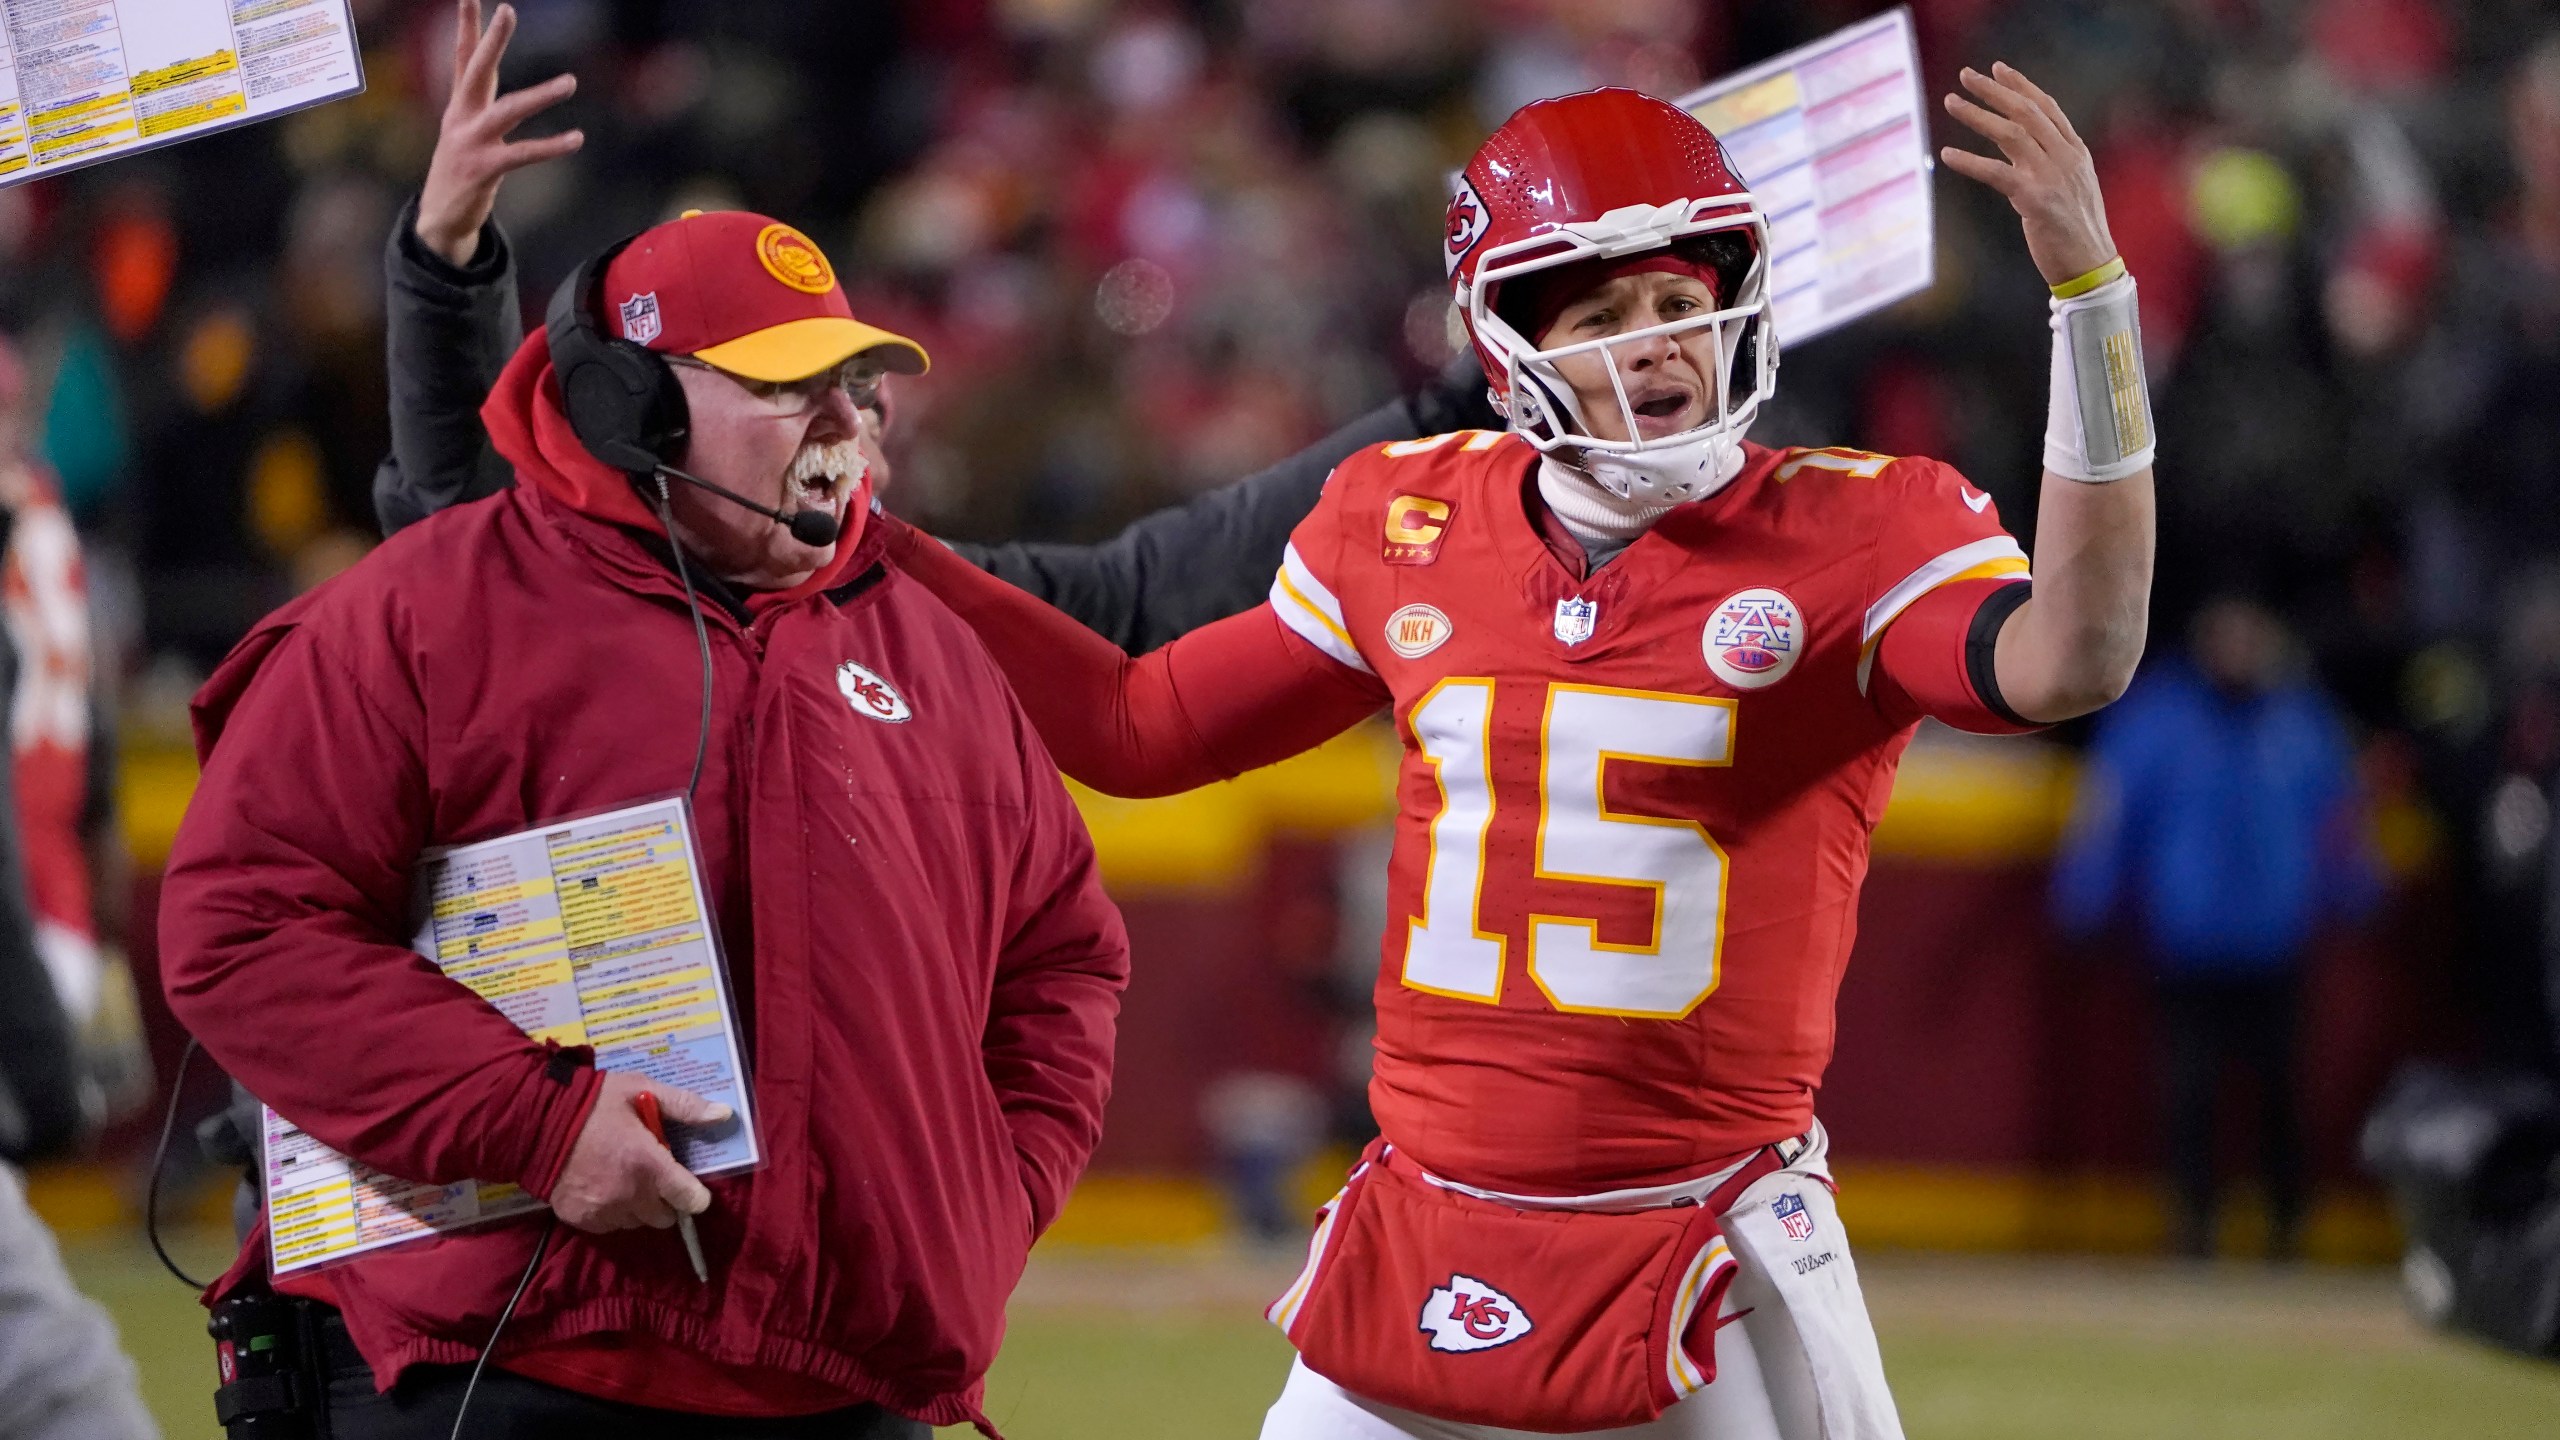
(646, 1106)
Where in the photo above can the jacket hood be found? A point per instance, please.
(529, 426)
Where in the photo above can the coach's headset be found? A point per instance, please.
(625, 405)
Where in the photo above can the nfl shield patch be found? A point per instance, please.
(640, 323)
(1575, 618)
(1796, 1220)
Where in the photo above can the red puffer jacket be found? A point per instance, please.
(927, 965)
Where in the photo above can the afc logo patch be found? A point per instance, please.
(1753, 638)
(1467, 1314)
(1793, 1218)
(640, 322)
(1415, 527)
(1467, 222)
(872, 697)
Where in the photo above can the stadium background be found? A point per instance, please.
(1153, 246)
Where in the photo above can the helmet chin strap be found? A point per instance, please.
(1672, 475)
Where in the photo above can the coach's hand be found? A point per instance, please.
(472, 150)
(618, 1175)
(2049, 177)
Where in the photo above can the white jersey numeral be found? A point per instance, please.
(1444, 952)
(1579, 839)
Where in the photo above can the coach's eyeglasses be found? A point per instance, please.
(859, 378)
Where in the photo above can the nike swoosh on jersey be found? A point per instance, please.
(1974, 500)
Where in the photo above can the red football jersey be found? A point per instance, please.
(1634, 808)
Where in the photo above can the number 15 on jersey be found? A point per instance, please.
(1583, 729)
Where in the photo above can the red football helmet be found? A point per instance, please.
(1604, 175)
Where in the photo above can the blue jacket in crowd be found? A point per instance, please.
(2228, 824)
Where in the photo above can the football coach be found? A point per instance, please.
(679, 593)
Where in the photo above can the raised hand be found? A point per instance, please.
(472, 150)
(2048, 178)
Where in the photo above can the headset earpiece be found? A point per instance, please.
(622, 398)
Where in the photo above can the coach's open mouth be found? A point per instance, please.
(822, 475)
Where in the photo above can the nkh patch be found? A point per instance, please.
(640, 322)
(1576, 618)
(1793, 1218)
(1417, 630)
(1753, 638)
(1467, 1314)
(870, 696)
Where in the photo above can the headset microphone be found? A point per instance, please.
(813, 528)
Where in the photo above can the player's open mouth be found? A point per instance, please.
(1661, 409)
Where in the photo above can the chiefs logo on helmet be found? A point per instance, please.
(1467, 221)
(1467, 1314)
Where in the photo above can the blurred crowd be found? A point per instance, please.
(1155, 244)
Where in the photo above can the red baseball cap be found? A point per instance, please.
(746, 293)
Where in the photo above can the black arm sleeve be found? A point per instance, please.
(450, 331)
(39, 1066)
(1982, 648)
(1187, 565)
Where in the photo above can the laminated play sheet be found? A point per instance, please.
(587, 932)
(89, 80)
(1833, 139)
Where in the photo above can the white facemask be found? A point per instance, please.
(1666, 470)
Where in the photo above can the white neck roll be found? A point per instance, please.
(1602, 522)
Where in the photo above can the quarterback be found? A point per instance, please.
(1652, 681)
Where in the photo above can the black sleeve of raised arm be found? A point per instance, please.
(450, 330)
(39, 1064)
(1187, 565)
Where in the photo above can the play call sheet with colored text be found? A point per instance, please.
(1833, 139)
(89, 80)
(589, 932)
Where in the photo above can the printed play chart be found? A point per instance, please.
(89, 80)
(588, 932)
(1833, 140)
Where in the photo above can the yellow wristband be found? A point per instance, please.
(2091, 281)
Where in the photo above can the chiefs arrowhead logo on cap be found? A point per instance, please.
(791, 258)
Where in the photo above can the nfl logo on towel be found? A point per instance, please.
(1792, 1216)
(1574, 619)
(640, 323)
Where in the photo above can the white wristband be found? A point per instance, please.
(2098, 421)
